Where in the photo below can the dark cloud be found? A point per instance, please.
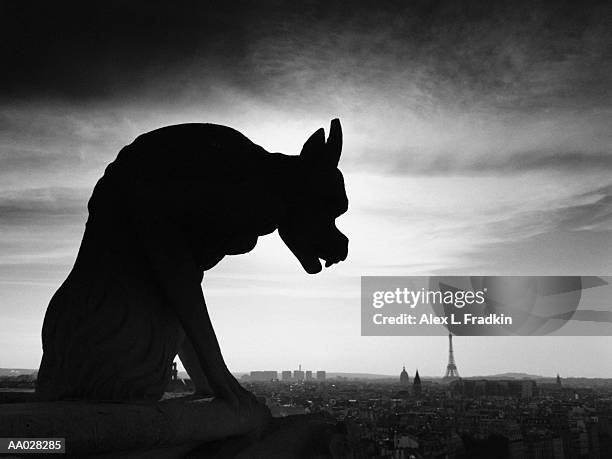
(76, 50)
(455, 52)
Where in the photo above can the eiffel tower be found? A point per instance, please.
(451, 368)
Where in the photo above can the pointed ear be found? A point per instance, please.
(334, 142)
(314, 147)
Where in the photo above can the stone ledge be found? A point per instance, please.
(169, 428)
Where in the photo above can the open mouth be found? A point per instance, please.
(314, 264)
(333, 259)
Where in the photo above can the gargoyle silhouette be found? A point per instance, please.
(171, 206)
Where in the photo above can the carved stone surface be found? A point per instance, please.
(179, 428)
(174, 426)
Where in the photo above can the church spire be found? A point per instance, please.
(404, 379)
(416, 384)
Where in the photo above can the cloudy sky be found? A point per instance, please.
(477, 141)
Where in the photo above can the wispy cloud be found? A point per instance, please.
(27, 206)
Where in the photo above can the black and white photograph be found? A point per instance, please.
(316, 229)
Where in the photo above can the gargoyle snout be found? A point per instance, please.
(337, 250)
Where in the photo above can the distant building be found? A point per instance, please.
(482, 387)
(176, 384)
(416, 384)
(264, 376)
(309, 375)
(527, 389)
(286, 375)
(558, 380)
(321, 375)
(404, 379)
(298, 375)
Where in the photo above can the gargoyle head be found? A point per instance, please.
(309, 229)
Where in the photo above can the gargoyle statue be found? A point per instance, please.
(171, 206)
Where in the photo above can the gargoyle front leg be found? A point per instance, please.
(178, 276)
(190, 361)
